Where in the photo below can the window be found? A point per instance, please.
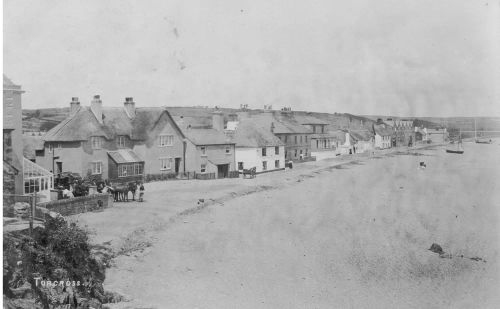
(286, 139)
(7, 138)
(203, 168)
(166, 140)
(59, 146)
(96, 168)
(306, 138)
(276, 150)
(121, 141)
(301, 151)
(166, 163)
(130, 169)
(276, 163)
(96, 142)
(228, 149)
(295, 139)
(49, 146)
(301, 139)
(264, 165)
(264, 151)
(240, 166)
(203, 150)
(295, 152)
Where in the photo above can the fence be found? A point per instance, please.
(170, 176)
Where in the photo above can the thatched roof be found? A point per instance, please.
(83, 124)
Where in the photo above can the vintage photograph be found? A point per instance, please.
(251, 154)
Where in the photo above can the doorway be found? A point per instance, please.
(222, 170)
(177, 165)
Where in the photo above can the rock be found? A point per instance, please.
(436, 248)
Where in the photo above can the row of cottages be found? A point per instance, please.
(382, 136)
(256, 147)
(404, 132)
(126, 143)
(295, 137)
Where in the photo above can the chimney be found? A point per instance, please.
(96, 107)
(218, 121)
(74, 106)
(129, 107)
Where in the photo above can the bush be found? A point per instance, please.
(60, 251)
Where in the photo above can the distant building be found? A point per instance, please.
(404, 132)
(383, 135)
(364, 140)
(297, 138)
(257, 147)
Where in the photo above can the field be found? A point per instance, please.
(344, 233)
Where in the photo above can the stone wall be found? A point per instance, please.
(73, 206)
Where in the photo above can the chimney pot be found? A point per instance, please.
(96, 107)
(129, 105)
(74, 106)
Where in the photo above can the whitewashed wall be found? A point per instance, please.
(253, 157)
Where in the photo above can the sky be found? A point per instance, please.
(385, 57)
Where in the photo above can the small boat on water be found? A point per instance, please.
(459, 149)
(478, 141)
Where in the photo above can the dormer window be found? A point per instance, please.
(121, 141)
(96, 142)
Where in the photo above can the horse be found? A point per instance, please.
(120, 192)
(252, 172)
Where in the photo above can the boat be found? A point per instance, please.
(454, 151)
(459, 149)
(478, 141)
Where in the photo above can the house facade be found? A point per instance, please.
(404, 132)
(383, 136)
(116, 143)
(208, 149)
(12, 137)
(257, 147)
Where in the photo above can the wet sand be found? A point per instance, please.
(354, 236)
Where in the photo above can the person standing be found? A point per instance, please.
(141, 193)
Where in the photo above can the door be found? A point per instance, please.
(58, 169)
(177, 165)
(222, 170)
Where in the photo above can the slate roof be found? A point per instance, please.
(9, 84)
(83, 124)
(282, 125)
(361, 135)
(206, 137)
(383, 131)
(248, 134)
(124, 156)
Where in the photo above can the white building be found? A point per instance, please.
(257, 147)
(383, 136)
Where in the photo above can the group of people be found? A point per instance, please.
(78, 189)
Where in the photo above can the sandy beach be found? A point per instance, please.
(324, 235)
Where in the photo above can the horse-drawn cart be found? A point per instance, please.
(251, 172)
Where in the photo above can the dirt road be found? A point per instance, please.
(321, 236)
